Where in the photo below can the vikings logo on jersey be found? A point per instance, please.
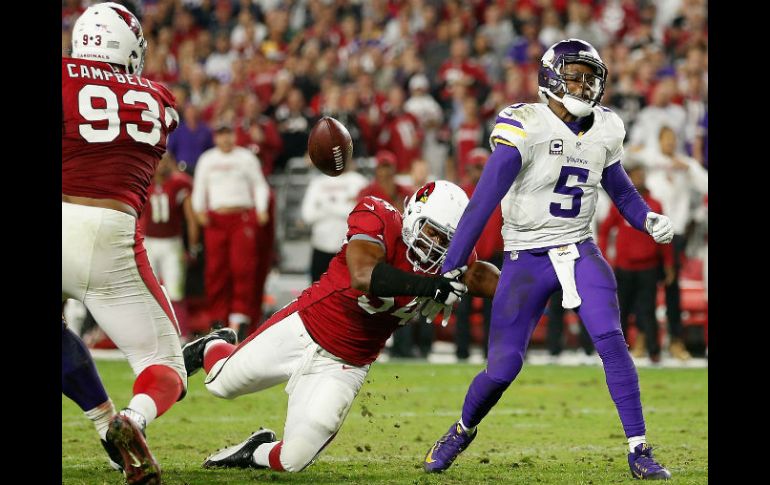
(424, 192)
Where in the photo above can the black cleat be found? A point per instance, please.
(240, 455)
(193, 352)
(116, 461)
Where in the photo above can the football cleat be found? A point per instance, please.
(644, 467)
(242, 454)
(116, 461)
(139, 466)
(193, 352)
(447, 448)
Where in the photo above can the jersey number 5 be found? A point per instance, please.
(564, 189)
(110, 114)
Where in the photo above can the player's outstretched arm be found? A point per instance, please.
(371, 274)
(499, 173)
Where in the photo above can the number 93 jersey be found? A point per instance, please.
(114, 129)
(553, 198)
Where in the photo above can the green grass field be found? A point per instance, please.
(554, 425)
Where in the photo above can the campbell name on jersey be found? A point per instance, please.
(553, 198)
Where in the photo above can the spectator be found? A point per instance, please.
(384, 185)
(294, 124)
(400, 132)
(190, 139)
(498, 29)
(675, 179)
(230, 198)
(219, 63)
(470, 134)
(636, 263)
(661, 112)
(259, 134)
(582, 25)
(430, 116)
(325, 208)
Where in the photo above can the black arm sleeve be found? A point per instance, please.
(390, 281)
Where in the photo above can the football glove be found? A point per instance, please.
(659, 227)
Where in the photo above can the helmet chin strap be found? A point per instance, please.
(576, 107)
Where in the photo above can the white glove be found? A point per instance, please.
(659, 227)
(451, 290)
(432, 307)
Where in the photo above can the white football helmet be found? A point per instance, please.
(432, 213)
(109, 32)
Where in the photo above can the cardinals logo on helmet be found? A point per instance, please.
(133, 24)
(424, 192)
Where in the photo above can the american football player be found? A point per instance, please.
(323, 343)
(114, 129)
(546, 164)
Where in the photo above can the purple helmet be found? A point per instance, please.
(551, 80)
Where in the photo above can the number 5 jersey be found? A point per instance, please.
(114, 130)
(553, 198)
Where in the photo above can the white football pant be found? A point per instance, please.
(321, 387)
(105, 268)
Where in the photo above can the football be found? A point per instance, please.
(330, 146)
(481, 278)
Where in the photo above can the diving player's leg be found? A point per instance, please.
(318, 404)
(267, 357)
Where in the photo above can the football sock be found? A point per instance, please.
(215, 351)
(263, 455)
(634, 441)
(468, 431)
(79, 379)
(156, 389)
(622, 381)
(100, 416)
(482, 395)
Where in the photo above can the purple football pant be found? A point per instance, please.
(522, 293)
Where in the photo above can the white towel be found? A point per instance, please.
(563, 260)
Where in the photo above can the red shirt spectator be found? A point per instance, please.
(491, 240)
(634, 250)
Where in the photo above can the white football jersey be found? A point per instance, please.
(553, 198)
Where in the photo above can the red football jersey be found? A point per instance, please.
(114, 129)
(346, 322)
(164, 213)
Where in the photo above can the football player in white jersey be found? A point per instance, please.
(546, 164)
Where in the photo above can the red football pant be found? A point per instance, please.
(231, 264)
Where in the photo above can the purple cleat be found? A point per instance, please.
(644, 467)
(445, 450)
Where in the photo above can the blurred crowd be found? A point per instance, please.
(418, 84)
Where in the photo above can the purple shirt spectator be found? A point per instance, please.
(191, 138)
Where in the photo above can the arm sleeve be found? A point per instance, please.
(311, 212)
(199, 185)
(624, 195)
(699, 177)
(499, 173)
(261, 189)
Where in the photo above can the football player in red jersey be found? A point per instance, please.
(324, 342)
(169, 205)
(114, 129)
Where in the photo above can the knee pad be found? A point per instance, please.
(298, 453)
